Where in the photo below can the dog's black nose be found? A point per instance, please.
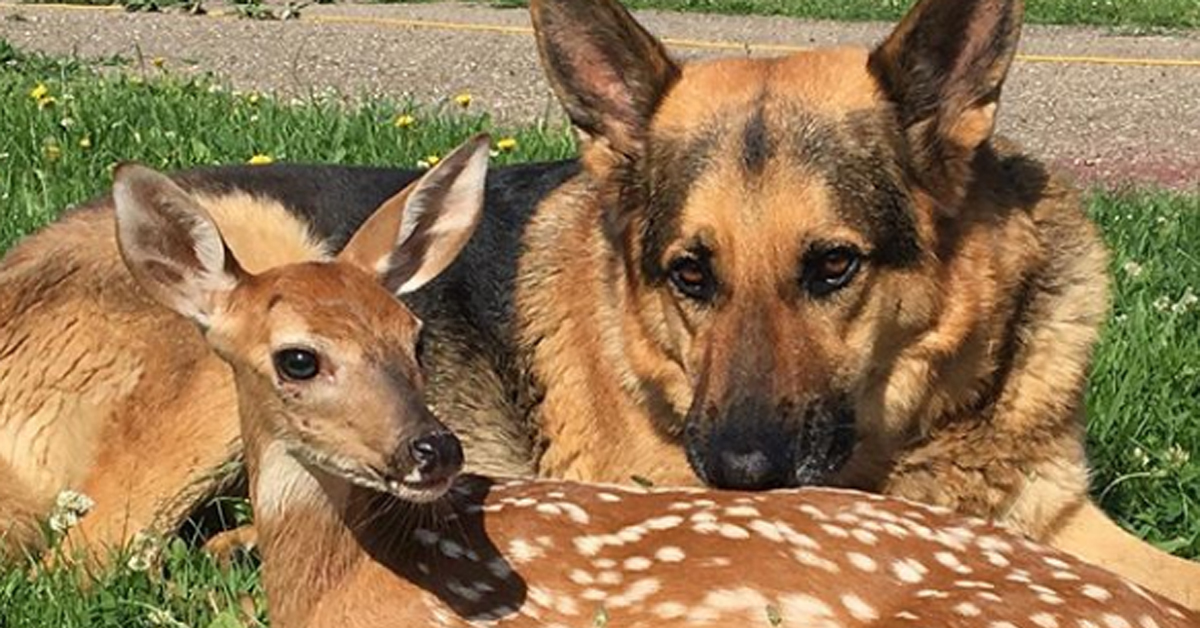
(757, 448)
(752, 466)
(438, 455)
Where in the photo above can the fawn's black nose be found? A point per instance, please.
(438, 456)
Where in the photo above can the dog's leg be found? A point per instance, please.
(1040, 490)
(977, 469)
(223, 546)
(1091, 535)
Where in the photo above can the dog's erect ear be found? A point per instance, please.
(418, 232)
(171, 245)
(608, 71)
(943, 68)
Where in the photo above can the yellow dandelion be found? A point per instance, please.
(52, 152)
(39, 92)
(85, 142)
(428, 162)
(507, 145)
(253, 98)
(260, 159)
(463, 100)
(158, 62)
(404, 121)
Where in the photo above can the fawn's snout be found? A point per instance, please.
(436, 458)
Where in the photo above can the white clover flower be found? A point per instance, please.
(144, 550)
(60, 522)
(1133, 269)
(75, 502)
(69, 508)
(1163, 303)
(1186, 302)
(1177, 456)
(163, 617)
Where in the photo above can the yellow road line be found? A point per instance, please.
(699, 44)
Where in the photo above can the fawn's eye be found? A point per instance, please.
(693, 277)
(297, 365)
(829, 270)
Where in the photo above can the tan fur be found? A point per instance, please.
(261, 233)
(1090, 534)
(606, 435)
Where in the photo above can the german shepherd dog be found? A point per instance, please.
(821, 269)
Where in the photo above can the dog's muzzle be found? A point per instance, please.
(755, 447)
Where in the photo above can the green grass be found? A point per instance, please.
(1144, 395)
(1171, 14)
(168, 123)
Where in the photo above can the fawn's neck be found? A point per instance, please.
(308, 549)
(352, 557)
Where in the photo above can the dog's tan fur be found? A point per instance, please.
(967, 369)
(98, 380)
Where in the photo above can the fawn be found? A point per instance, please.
(363, 519)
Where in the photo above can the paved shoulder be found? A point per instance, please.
(1107, 107)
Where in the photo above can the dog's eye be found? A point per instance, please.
(831, 270)
(693, 277)
(297, 365)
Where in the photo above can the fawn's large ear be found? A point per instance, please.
(608, 71)
(417, 233)
(943, 68)
(170, 244)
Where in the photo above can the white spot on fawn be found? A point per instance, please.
(737, 533)
(637, 592)
(669, 554)
(664, 523)
(1096, 592)
(1044, 620)
(637, 563)
(859, 609)
(522, 551)
(670, 610)
(862, 562)
(909, 570)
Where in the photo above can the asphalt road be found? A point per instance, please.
(1111, 108)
